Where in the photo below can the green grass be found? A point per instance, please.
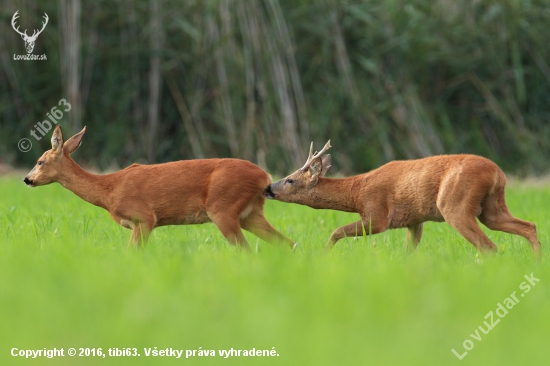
(68, 279)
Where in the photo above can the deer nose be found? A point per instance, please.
(268, 192)
(27, 181)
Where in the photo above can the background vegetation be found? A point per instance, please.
(161, 80)
(68, 280)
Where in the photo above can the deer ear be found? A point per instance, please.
(57, 139)
(74, 142)
(315, 170)
(326, 164)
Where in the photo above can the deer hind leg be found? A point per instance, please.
(469, 229)
(230, 228)
(463, 219)
(496, 216)
(257, 224)
(414, 234)
(460, 203)
(254, 221)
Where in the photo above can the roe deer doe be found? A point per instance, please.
(228, 192)
(451, 188)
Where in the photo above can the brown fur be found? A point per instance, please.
(451, 188)
(228, 192)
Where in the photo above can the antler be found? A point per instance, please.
(43, 26)
(34, 34)
(314, 156)
(13, 19)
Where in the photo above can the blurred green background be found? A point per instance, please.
(162, 80)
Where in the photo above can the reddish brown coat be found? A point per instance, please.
(228, 192)
(451, 188)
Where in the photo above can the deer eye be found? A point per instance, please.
(289, 181)
(40, 163)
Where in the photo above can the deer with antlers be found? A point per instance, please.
(227, 192)
(405, 194)
(29, 40)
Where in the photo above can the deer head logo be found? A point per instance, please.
(29, 40)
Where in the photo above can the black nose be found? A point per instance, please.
(268, 192)
(27, 181)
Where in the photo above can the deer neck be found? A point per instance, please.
(92, 188)
(333, 194)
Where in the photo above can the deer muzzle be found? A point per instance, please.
(28, 182)
(269, 193)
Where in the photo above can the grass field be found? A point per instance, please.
(68, 279)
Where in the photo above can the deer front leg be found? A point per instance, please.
(354, 229)
(414, 234)
(140, 220)
(140, 234)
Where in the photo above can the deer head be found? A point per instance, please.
(29, 40)
(299, 183)
(53, 163)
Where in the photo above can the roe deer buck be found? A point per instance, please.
(228, 192)
(451, 188)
